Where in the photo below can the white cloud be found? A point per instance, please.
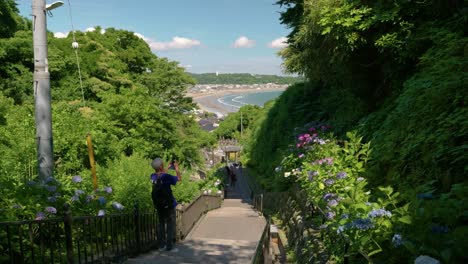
(243, 42)
(176, 43)
(61, 34)
(278, 43)
(90, 29)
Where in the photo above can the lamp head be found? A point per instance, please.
(54, 5)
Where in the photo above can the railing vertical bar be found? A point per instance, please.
(116, 234)
(31, 239)
(91, 251)
(96, 237)
(112, 235)
(85, 242)
(10, 249)
(127, 237)
(41, 238)
(20, 234)
(51, 242)
(103, 237)
(78, 242)
(57, 240)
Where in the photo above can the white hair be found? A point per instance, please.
(157, 163)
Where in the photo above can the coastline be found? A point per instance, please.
(208, 101)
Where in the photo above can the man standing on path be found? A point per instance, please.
(164, 202)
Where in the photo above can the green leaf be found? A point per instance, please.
(405, 219)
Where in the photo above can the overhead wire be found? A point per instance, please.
(75, 47)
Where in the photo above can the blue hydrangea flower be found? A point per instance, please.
(341, 175)
(340, 229)
(344, 216)
(102, 200)
(425, 196)
(396, 240)
(16, 206)
(52, 199)
(77, 179)
(362, 224)
(360, 179)
(51, 188)
(79, 192)
(51, 210)
(117, 206)
(379, 213)
(439, 229)
(49, 179)
(75, 198)
(31, 183)
(101, 213)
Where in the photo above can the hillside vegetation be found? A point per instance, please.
(394, 73)
(131, 102)
(243, 78)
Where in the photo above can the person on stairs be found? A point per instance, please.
(164, 202)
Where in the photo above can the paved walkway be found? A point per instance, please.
(226, 235)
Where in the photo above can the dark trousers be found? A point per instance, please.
(166, 228)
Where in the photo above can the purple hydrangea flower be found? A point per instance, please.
(301, 155)
(330, 215)
(101, 213)
(89, 198)
(329, 182)
(75, 198)
(52, 199)
(397, 240)
(360, 179)
(328, 196)
(341, 175)
(79, 192)
(51, 210)
(298, 145)
(108, 189)
(332, 203)
(117, 206)
(312, 174)
(40, 216)
(379, 213)
(77, 179)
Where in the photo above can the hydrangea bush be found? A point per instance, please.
(330, 171)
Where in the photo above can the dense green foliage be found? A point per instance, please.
(395, 72)
(243, 78)
(131, 102)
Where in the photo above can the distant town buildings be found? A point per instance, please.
(209, 88)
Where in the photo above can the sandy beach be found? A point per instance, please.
(208, 101)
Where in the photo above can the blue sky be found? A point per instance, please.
(203, 35)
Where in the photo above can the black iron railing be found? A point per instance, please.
(92, 239)
(78, 239)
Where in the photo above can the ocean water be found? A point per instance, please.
(239, 100)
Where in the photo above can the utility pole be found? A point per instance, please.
(41, 86)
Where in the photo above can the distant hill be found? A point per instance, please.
(243, 78)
